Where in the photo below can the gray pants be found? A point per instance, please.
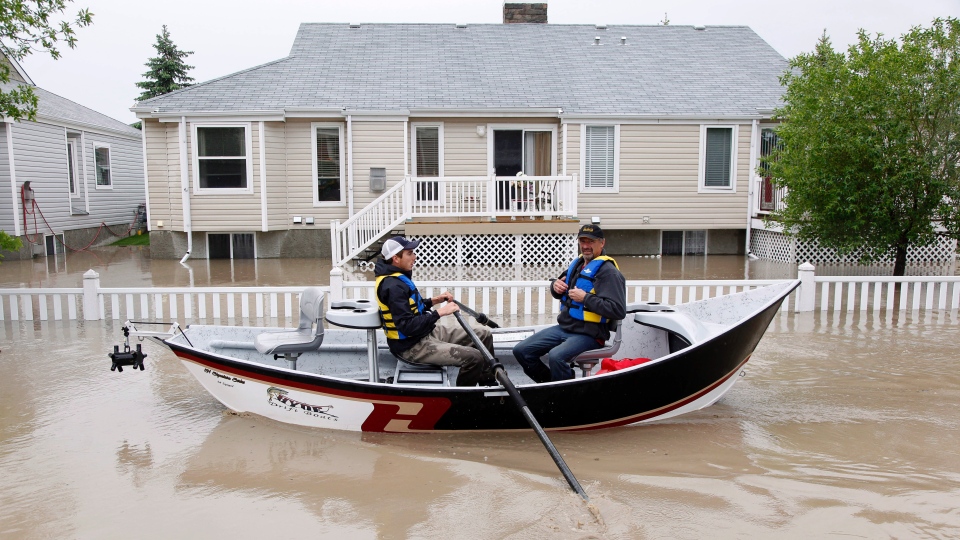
(449, 345)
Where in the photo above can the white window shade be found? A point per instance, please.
(428, 151)
(718, 160)
(599, 157)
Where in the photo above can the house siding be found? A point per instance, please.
(276, 182)
(375, 144)
(659, 167)
(163, 173)
(8, 199)
(111, 206)
(465, 153)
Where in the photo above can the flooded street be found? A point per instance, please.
(842, 425)
(839, 427)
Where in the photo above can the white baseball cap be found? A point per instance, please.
(397, 244)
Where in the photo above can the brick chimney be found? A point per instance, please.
(524, 13)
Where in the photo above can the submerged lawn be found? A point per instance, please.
(134, 240)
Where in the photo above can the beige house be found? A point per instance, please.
(497, 140)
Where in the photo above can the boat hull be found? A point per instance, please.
(686, 380)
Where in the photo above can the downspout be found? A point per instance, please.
(13, 180)
(751, 181)
(185, 189)
(350, 166)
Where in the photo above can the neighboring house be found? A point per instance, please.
(655, 130)
(68, 178)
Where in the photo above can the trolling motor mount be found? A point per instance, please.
(127, 357)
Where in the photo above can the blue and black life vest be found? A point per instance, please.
(416, 304)
(585, 279)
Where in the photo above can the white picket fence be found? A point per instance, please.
(527, 300)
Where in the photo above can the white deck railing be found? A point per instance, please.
(527, 300)
(492, 196)
(453, 196)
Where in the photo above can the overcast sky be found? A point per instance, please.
(230, 35)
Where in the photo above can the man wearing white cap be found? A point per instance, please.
(419, 334)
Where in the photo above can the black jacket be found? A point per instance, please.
(396, 295)
(609, 300)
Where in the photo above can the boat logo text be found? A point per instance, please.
(279, 398)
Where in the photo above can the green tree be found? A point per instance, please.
(9, 243)
(28, 26)
(167, 70)
(870, 143)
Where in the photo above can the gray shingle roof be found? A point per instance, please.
(54, 107)
(658, 71)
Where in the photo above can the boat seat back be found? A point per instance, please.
(306, 337)
(420, 374)
(587, 360)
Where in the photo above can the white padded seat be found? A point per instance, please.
(306, 337)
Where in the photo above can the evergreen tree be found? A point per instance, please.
(167, 71)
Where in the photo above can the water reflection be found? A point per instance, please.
(133, 267)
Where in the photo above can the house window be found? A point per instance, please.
(101, 156)
(718, 158)
(601, 163)
(428, 159)
(231, 246)
(72, 174)
(683, 243)
(221, 158)
(328, 166)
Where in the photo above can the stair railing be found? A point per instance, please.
(350, 238)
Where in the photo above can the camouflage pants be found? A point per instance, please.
(449, 345)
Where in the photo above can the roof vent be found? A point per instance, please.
(623, 40)
(461, 25)
(596, 40)
(699, 27)
(354, 25)
(601, 27)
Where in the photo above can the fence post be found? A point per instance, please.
(91, 296)
(807, 297)
(336, 284)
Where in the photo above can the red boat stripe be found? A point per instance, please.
(395, 413)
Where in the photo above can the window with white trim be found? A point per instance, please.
(328, 164)
(221, 158)
(718, 158)
(427, 159)
(101, 161)
(601, 163)
(73, 174)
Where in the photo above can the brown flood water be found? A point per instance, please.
(841, 426)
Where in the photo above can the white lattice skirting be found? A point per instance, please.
(479, 251)
(777, 246)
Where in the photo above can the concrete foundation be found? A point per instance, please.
(297, 243)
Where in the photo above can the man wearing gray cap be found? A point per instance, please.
(421, 335)
(593, 296)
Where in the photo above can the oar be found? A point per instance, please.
(501, 375)
(480, 317)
